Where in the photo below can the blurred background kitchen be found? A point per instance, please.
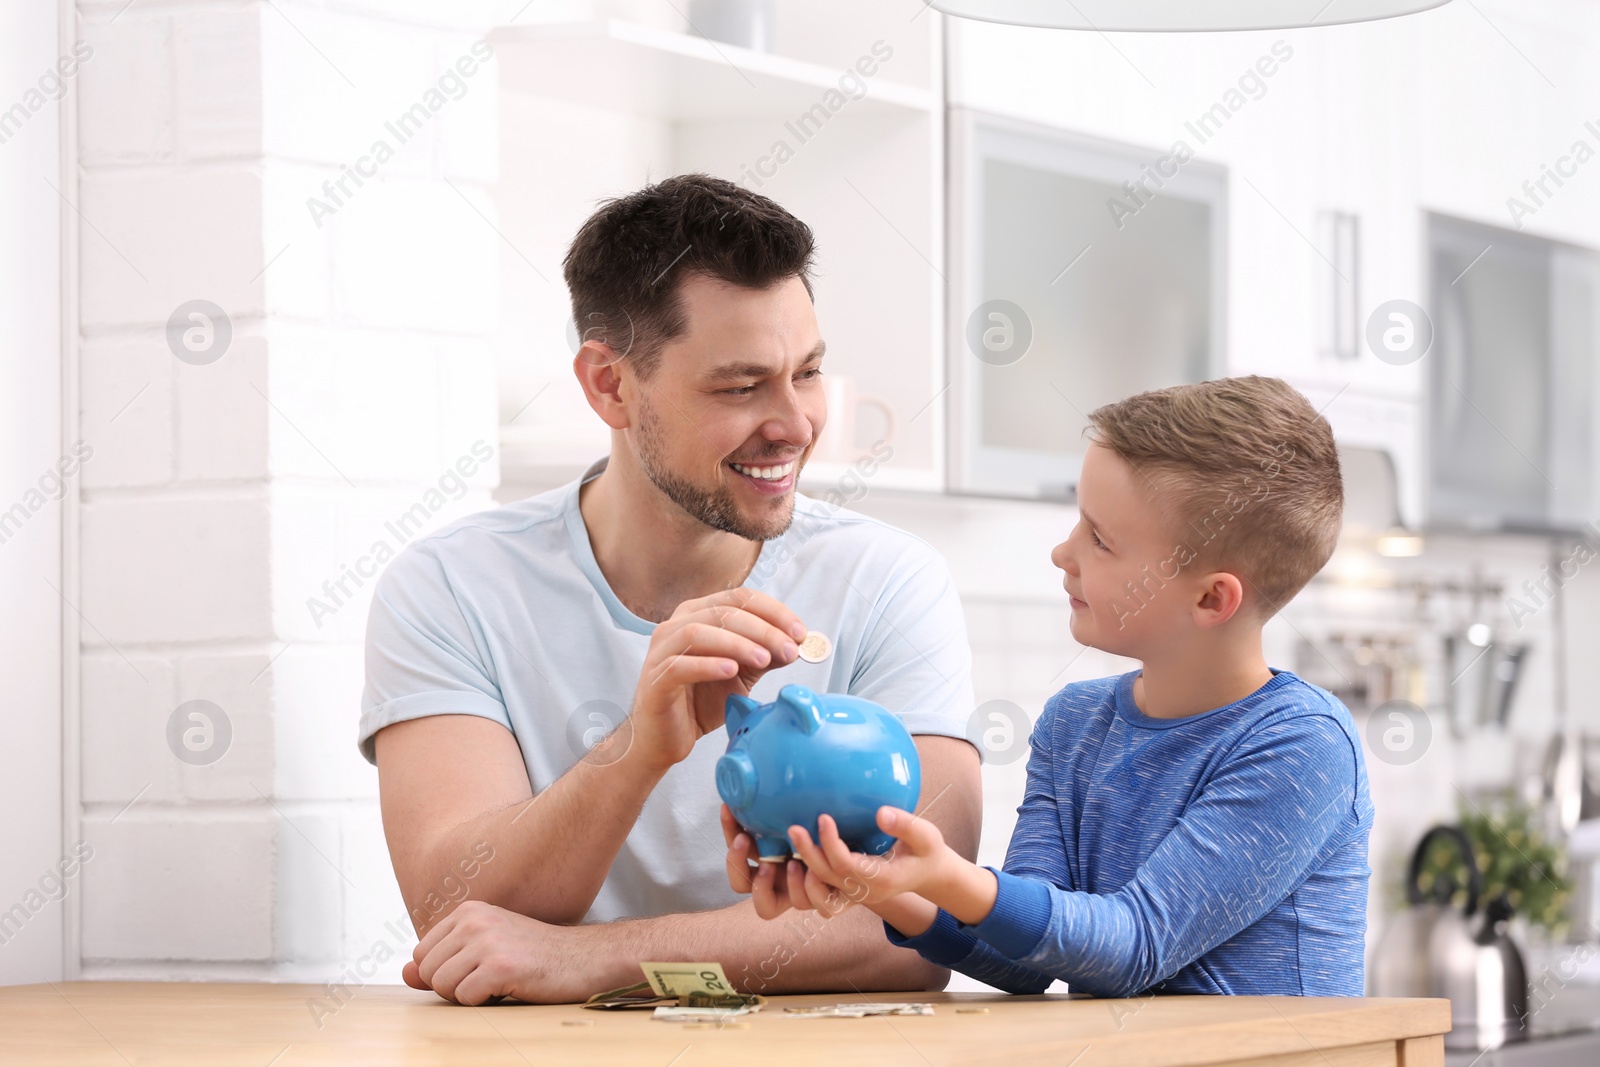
(277, 274)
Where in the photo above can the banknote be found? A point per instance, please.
(682, 979)
(704, 1015)
(856, 1011)
(638, 995)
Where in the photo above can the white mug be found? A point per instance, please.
(837, 444)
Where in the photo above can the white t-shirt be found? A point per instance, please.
(505, 614)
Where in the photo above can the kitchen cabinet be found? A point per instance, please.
(1083, 271)
(842, 123)
(1563, 1025)
(1511, 393)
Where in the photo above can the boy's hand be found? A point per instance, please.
(919, 861)
(905, 886)
(775, 888)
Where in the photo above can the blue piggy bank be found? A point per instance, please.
(805, 754)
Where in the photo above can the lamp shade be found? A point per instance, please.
(1172, 15)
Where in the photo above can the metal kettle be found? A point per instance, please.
(1435, 950)
(1488, 985)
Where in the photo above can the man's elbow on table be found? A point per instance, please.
(901, 969)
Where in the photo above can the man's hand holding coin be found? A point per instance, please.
(710, 648)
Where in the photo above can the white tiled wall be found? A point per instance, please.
(225, 495)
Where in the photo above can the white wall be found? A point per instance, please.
(32, 912)
(224, 495)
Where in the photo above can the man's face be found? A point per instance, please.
(735, 406)
(1130, 584)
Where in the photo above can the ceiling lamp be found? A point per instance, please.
(1167, 15)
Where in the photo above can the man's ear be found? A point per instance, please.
(1221, 597)
(599, 371)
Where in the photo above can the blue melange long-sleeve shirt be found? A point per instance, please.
(1225, 852)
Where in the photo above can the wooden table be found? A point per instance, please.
(215, 1024)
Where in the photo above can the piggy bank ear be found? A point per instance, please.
(801, 703)
(736, 710)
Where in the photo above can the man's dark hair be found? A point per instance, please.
(625, 265)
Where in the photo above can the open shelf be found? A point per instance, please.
(643, 70)
(624, 103)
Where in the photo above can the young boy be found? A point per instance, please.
(1196, 826)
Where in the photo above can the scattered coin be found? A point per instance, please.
(816, 647)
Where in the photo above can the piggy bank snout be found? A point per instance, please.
(736, 779)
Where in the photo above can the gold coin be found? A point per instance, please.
(816, 647)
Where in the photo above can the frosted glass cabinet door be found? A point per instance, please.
(1511, 384)
(1072, 290)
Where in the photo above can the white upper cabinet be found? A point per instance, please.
(1083, 271)
(841, 123)
(1512, 382)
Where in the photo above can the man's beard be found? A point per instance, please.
(717, 507)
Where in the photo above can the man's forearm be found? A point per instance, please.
(553, 851)
(804, 951)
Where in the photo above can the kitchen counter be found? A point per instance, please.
(1563, 1029)
(216, 1024)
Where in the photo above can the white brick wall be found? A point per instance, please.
(222, 496)
(165, 885)
(159, 238)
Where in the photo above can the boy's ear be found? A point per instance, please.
(1221, 597)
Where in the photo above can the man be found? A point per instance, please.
(681, 569)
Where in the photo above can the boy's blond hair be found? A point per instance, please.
(1245, 469)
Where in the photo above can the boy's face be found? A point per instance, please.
(1132, 594)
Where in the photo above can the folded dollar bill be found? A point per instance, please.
(639, 995)
(682, 979)
(856, 1011)
(704, 1015)
(677, 985)
(721, 1000)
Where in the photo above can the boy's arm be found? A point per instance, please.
(946, 944)
(1036, 851)
(1243, 845)
(937, 934)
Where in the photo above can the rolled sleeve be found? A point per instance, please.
(423, 657)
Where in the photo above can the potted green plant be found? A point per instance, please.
(1518, 860)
